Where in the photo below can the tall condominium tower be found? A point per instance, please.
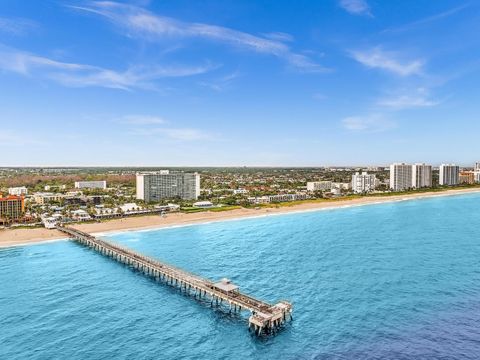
(400, 176)
(421, 176)
(449, 174)
(156, 186)
(363, 182)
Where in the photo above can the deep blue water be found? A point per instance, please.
(390, 281)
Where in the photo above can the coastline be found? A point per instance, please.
(22, 237)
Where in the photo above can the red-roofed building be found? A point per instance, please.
(12, 208)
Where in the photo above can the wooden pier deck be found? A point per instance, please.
(264, 317)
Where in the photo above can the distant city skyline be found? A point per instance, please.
(229, 83)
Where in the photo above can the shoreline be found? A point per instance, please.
(23, 237)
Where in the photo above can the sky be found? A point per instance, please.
(239, 83)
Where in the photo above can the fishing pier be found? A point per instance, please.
(264, 318)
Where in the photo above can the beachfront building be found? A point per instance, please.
(341, 186)
(12, 208)
(165, 184)
(319, 186)
(449, 174)
(363, 183)
(266, 199)
(287, 197)
(203, 204)
(421, 176)
(91, 184)
(466, 177)
(18, 191)
(400, 176)
(477, 167)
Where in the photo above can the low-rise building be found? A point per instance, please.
(466, 177)
(203, 204)
(18, 191)
(277, 198)
(42, 198)
(319, 186)
(240, 192)
(80, 215)
(342, 186)
(91, 184)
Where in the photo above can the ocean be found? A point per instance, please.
(389, 281)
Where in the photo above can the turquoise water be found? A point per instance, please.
(390, 281)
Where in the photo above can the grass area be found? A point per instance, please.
(189, 210)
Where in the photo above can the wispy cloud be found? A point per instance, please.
(180, 134)
(17, 26)
(356, 7)
(185, 134)
(222, 83)
(417, 98)
(148, 126)
(81, 75)
(142, 120)
(319, 96)
(427, 20)
(15, 138)
(368, 124)
(145, 24)
(377, 58)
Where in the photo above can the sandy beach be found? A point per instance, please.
(16, 237)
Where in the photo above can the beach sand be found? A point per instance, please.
(15, 237)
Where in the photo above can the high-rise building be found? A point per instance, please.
(11, 208)
(18, 191)
(364, 182)
(319, 186)
(477, 166)
(153, 187)
(421, 176)
(400, 176)
(449, 174)
(91, 184)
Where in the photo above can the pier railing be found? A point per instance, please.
(264, 318)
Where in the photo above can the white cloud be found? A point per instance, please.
(389, 61)
(185, 134)
(147, 125)
(16, 26)
(368, 124)
(356, 7)
(142, 23)
(415, 99)
(180, 134)
(81, 75)
(142, 120)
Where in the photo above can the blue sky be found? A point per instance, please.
(234, 83)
